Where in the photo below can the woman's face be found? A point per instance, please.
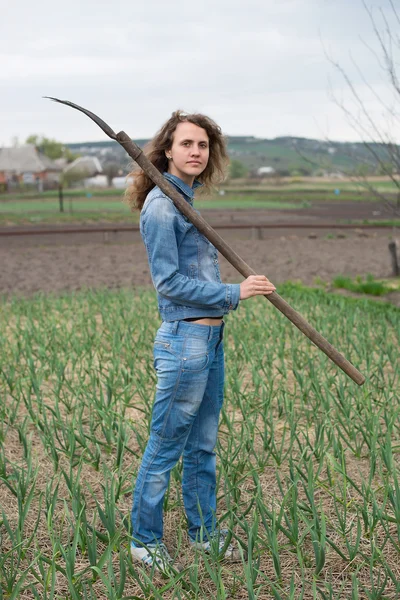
(189, 151)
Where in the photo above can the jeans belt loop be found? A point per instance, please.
(175, 325)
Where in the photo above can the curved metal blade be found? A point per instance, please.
(102, 124)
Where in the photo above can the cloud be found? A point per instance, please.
(261, 68)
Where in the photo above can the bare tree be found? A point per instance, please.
(383, 151)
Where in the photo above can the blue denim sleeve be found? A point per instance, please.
(161, 224)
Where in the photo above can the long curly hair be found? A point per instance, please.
(214, 172)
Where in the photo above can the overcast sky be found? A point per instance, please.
(257, 67)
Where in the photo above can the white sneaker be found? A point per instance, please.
(155, 556)
(215, 543)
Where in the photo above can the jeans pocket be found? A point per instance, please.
(166, 345)
(195, 354)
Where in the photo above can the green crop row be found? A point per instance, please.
(308, 462)
(369, 285)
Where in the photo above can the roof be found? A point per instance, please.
(88, 164)
(25, 159)
(49, 164)
(265, 170)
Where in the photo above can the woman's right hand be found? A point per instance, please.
(256, 285)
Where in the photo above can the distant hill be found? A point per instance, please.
(287, 155)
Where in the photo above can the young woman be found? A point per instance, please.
(188, 349)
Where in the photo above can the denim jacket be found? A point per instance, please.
(183, 263)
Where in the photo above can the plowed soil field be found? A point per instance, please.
(61, 263)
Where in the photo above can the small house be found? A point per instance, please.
(25, 166)
(265, 171)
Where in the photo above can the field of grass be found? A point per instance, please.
(115, 205)
(107, 205)
(106, 208)
(47, 211)
(369, 285)
(308, 462)
(236, 186)
(296, 185)
(75, 218)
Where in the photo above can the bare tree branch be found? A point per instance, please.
(377, 139)
(396, 14)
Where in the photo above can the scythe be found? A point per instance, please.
(236, 261)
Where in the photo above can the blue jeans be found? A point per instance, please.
(189, 361)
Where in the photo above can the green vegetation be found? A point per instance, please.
(325, 190)
(51, 148)
(81, 205)
(386, 222)
(108, 208)
(231, 201)
(288, 185)
(57, 218)
(237, 169)
(308, 462)
(288, 155)
(76, 210)
(369, 285)
(69, 193)
(95, 205)
(291, 156)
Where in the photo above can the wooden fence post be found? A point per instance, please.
(393, 256)
(61, 197)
